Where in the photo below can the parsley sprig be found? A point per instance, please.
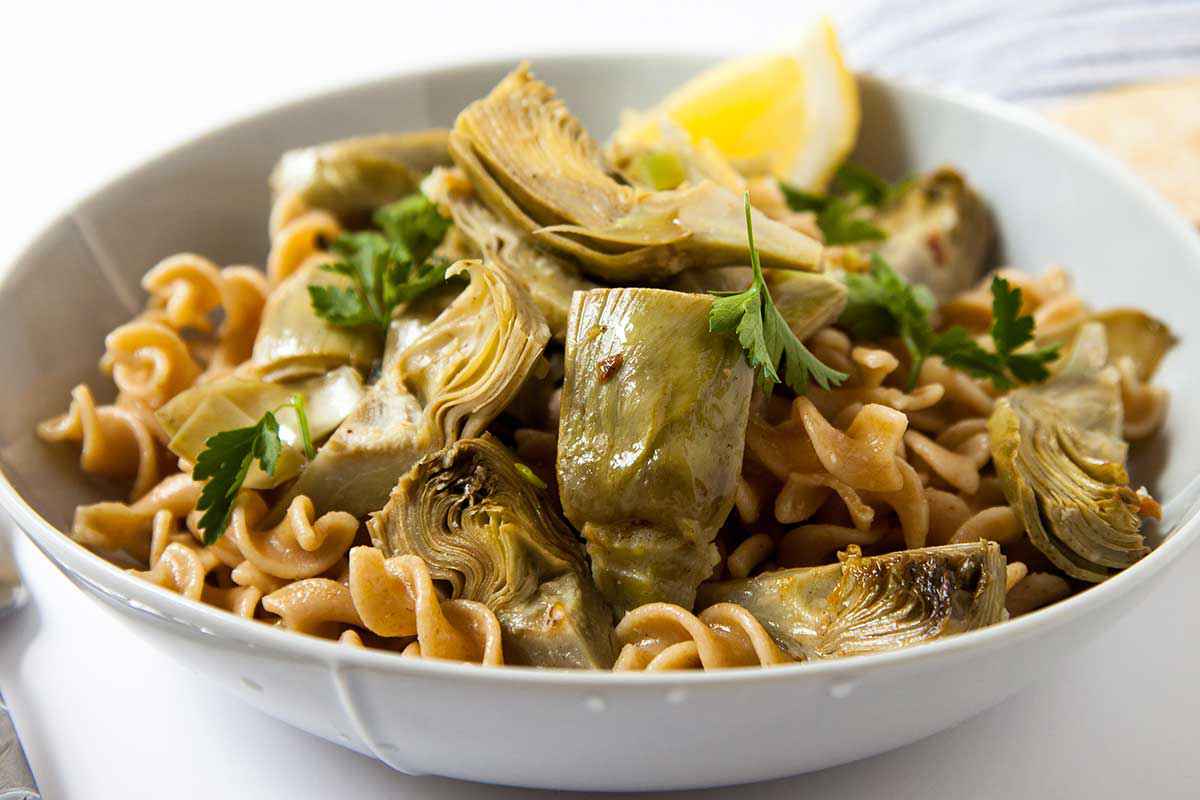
(841, 212)
(765, 335)
(388, 268)
(227, 458)
(881, 303)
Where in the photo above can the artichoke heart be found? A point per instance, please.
(447, 383)
(1061, 459)
(492, 536)
(870, 604)
(939, 233)
(651, 432)
(240, 400)
(293, 341)
(1130, 332)
(807, 301)
(534, 165)
(350, 178)
(550, 280)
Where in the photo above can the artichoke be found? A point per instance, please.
(352, 177)
(808, 301)
(293, 341)
(869, 604)
(240, 400)
(448, 383)
(1061, 460)
(550, 280)
(651, 432)
(483, 526)
(939, 233)
(1130, 332)
(534, 165)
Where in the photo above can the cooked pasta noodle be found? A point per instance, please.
(149, 361)
(396, 597)
(114, 441)
(661, 636)
(302, 238)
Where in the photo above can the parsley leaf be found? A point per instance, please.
(386, 268)
(226, 460)
(764, 334)
(880, 304)
(415, 223)
(837, 220)
(840, 214)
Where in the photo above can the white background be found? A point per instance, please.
(89, 90)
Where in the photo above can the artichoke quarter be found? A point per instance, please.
(293, 341)
(651, 433)
(939, 233)
(533, 164)
(1061, 460)
(870, 604)
(448, 382)
(350, 178)
(485, 529)
(550, 280)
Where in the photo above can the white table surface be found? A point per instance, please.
(103, 715)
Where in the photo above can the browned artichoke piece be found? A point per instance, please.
(869, 604)
(551, 280)
(492, 535)
(352, 177)
(939, 233)
(651, 432)
(808, 301)
(534, 165)
(448, 382)
(1060, 456)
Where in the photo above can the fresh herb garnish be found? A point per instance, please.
(764, 334)
(226, 461)
(387, 268)
(880, 303)
(415, 223)
(841, 214)
(529, 475)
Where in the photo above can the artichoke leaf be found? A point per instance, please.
(550, 280)
(240, 400)
(651, 432)
(1058, 451)
(447, 383)
(534, 165)
(939, 233)
(350, 178)
(492, 536)
(870, 604)
(807, 301)
(1130, 332)
(293, 341)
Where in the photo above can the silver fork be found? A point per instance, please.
(16, 778)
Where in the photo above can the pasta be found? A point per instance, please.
(661, 636)
(481, 404)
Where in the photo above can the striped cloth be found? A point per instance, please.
(1026, 51)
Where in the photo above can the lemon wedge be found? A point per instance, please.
(794, 114)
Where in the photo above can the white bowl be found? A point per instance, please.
(1055, 200)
